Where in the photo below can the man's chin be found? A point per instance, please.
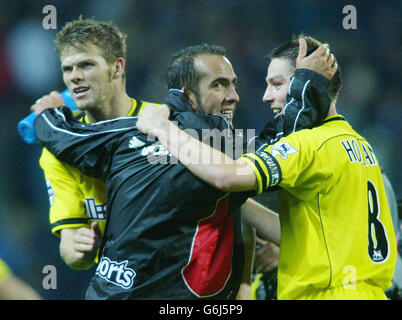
(84, 105)
(81, 106)
(229, 118)
(278, 114)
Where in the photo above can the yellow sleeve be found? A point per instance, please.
(302, 166)
(5, 271)
(260, 170)
(67, 203)
(266, 169)
(287, 163)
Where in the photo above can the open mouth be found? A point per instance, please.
(277, 112)
(227, 113)
(80, 91)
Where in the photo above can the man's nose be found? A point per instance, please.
(267, 97)
(232, 95)
(76, 75)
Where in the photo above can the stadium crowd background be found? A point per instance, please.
(370, 57)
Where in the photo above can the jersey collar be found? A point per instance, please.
(130, 113)
(333, 118)
(133, 107)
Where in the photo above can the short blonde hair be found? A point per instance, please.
(105, 35)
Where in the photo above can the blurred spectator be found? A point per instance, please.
(13, 287)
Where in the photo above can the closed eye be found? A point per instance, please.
(67, 68)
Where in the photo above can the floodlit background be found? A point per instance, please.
(369, 56)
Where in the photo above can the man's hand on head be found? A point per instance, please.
(51, 100)
(320, 61)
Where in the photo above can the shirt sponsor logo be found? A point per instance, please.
(95, 211)
(135, 143)
(50, 192)
(158, 154)
(283, 149)
(156, 150)
(116, 272)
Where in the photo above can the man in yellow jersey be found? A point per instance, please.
(93, 59)
(14, 288)
(337, 237)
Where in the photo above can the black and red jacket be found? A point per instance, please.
(168, 235)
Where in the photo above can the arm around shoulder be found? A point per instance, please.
(233, 177)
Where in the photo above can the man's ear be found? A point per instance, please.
(119, 65)
(190, 97)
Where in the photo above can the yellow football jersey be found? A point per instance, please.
(337, 237)
(76, 200)
(5, 271)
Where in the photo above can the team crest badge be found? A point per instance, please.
(283, 149)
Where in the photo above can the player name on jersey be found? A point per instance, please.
(359, 152)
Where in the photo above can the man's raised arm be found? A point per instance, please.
(85, 146)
